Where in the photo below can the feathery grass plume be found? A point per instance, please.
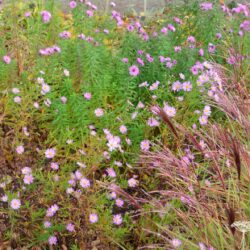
(177, 178)
(233, 99)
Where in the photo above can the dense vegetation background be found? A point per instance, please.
(123, 131)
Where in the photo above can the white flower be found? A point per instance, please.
(17, 99)
(45, 88)
(66, 72)
(99, 112)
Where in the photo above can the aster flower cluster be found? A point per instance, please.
(185, 86)
(51, 211)
(28, 177)
(65, 35)
(49, 51)
(114, 142)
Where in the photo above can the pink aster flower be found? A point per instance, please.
(140, 61)
(241, 8)
(130, 28)
(171, 27)
(46, 16)
(164, 30)
(245, 25)
(132, 182)
(65, 35)
(40, 80)
(119, 202)
(134, 70)
(187, 86)
(162, 59)
(20, 149)
(26, 170)
(154, 86)
(70, 227)
(177, 86)
(152, 122)
(63, 99)
(45, 89)
(15, 204)
(15, 91)
(203, 120)
(4, 198)
(206, 6)
(138, 25)
(17, 99)
(207, 111)
(47, 224)
(140, 52)
(177, 49)
(232, 60)
(145, 145)
(202, 246)
(27, 14)
(78, 175)
(52, 240)
(82, 36)
(149, 58)
(72, 4)
(52, 210)
(87, 95)
(111, 172)
(54, 166)
(90, 13)
(93, 218)
(218, 35)
(117, 219)
(140, 105)
(211, 48)
(99, 112)
(201, 52)
(177, 20)
(125, 60)
(191, 39)
(6, 59)
(85, 183)
(50, 153)
(176, 243)
(194, 70)
(28, 179)
(112, 195)
(170, 111)
(113, 142)
(123, 129)
(72, 182)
